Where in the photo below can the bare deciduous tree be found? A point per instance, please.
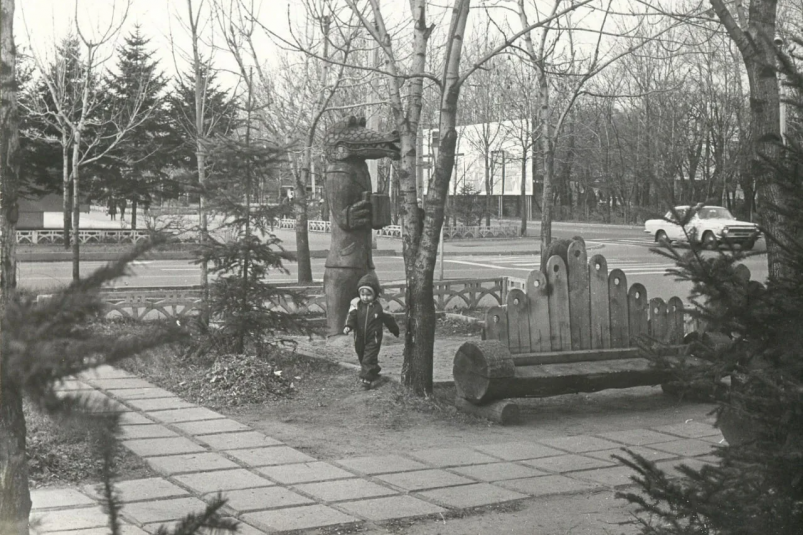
(92, 128)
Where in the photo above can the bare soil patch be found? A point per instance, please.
(317, 405)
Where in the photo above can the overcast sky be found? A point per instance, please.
(41, 23)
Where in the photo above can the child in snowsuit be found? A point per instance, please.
(366, 318)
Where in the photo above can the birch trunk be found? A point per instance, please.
(300, 212)
(76, 208)
(67, 187)
(420, 261)
(755, 45)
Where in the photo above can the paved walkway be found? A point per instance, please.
(273, 487)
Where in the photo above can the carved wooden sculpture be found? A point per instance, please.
(348, 189)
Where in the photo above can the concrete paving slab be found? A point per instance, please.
(616, 476)
(104, 372)
(190, 462)
(424, 479)
(380, 465)
(58, 498)
(290, 474)
(715, 439)
(647, 453)
(70, 519)
(546, 485)
(152, 447)
(125, 529)
(467, 496)
(134, 418)
(71, 386)
(140, 393)
(162, 510)
(184, 415)
(497, 471)
(518, 451)
(234, 441)
(381, 509)
(567, 463)
(238, 478)
(443, 457)
(159, 404)
(132, 432)
(270, 456)
(263, 498)
(637, 437)
(579, 443)
(119, 384)
(247, 529)
(690, 447)
(295, 518)
(690, 429)
(242, 528)
(671, 467)
(135, 490)
(205, 427)
(344, 489)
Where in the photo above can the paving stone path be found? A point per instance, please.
(272, 487)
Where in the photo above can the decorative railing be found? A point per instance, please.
(500, 230)
(156, 303)
(55, 236)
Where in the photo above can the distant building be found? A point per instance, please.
(32, 211)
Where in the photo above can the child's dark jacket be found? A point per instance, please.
(367, 320)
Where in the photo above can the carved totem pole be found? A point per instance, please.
(348, 190)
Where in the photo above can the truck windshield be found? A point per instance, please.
(715, 212)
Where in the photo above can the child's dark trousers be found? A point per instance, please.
(367, 349)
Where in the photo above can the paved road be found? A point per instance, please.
(462, 260)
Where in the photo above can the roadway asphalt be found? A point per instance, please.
(319, 244)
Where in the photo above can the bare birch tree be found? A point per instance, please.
(753, 29)
(309, 88)
(422, 226)
(92, 128)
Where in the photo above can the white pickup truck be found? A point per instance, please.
(708, 225)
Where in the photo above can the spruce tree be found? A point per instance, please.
(751, 357)
(220, 117)
(243, 251)
(139, 162)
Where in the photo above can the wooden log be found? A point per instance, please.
(559, 317)
(518, 321)
(676, 314)
(658, 319)
(496, 324)
(579, 299)
(557, 379)
(480, 369)
(592, 355)
(600, 312)
(617, 297)
(638, 309)
(538, 298)
(504, 412)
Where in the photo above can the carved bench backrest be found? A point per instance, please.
(578, 304)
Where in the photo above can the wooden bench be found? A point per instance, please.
(575, 328)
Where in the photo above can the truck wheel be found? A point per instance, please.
(660, 236)
(746, 246)
(709, 240)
